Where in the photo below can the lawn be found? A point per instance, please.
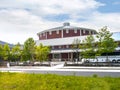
(23, 81)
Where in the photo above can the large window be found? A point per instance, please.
(56, 56)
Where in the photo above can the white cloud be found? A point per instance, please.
(20, 19)
(116, 3)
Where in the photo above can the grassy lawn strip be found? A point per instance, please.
(23, 81)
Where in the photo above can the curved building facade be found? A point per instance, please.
(60, 40)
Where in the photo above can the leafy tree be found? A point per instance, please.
(1, 52)
(16, 52)
(42, 52)
(76, 48)
(6, 52)
(88, 47)
(106, 43)
(28, 49)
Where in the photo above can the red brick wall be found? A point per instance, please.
(86, 32)
(71, 33)
(54, 34)
(64, 55)
(42, 36)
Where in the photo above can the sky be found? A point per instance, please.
(21, 19)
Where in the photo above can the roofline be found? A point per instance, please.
(62, 28)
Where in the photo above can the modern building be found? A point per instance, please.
(60, 39)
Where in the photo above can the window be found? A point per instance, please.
(57, 56)
(52, 47)
(57, 32)
(59, 46)
(67, 46)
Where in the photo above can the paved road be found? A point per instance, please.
(78, 73)
(81, 71)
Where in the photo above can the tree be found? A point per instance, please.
(76, 48)
(28, 49)
(1, 52)
(106, 43)
(88, 47)
(42, 52)
(16, 52)
(6, 52)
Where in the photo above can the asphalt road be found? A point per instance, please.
(78, 73)
(113, 72)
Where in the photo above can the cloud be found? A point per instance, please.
(20, 19)
(116, 3)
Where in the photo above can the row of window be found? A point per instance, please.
(67, 31)
(59, 47)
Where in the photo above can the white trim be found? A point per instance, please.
(62, 33)
(67, 31)
(75, 30)
(84, 31)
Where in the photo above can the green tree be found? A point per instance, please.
(76, 48)
(1, 52)
(106, 43)
(6, 52)
(88, 47)
(28, 49)
(16, 52)
(42, 52)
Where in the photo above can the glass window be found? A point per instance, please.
(67, 46)
(56, 56)
(59, 46)
(52, 47)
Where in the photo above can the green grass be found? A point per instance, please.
(22, 81)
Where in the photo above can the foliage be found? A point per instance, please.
(88, 47)
(75, 47)
(106, 43)
(28, 49)
(22, 81)
(1, 52)
(42, 52)
(6, 52)
(16, 52)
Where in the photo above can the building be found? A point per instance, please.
(60, 39)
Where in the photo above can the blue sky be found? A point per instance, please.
(21, 19)
(110, 6)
